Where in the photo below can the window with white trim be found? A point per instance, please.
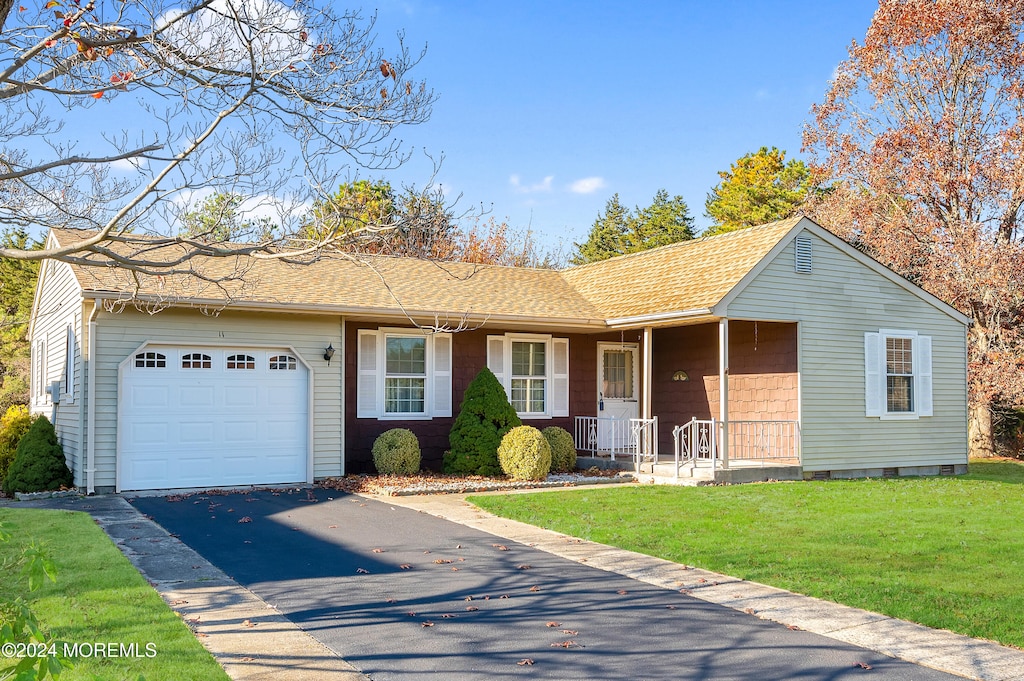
(150, 360)
(40, 370)
(403, 373)
(241, 362)
(283, 363)
(534, 370)
(898, 374)
(68, 379)
(196, 360)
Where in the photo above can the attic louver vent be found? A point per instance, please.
(803, 255)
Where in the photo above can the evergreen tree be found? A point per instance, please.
(618, 231)
(758, 188)
(485, 415)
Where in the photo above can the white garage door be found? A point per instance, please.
(205, 417)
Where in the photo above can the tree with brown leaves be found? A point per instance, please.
(922, 135)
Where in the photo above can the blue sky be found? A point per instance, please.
(548, 108)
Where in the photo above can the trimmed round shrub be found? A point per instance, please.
(484, 417)
(563, 449)
(38, 464)
(397, 452)
(13, 426)
(525, 454)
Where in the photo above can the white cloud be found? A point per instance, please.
(129, 165)
(587, 185)
(542, 186)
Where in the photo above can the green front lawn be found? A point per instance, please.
(945, 552)
(100, 598)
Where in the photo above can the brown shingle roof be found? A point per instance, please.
(689, 275)
(686, 276)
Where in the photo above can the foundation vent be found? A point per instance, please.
(890, 473)
(821, 475)
(947, 470)
(803, 255)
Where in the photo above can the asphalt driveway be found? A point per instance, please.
(405, 595)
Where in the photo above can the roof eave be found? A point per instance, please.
(426, 317)
(661, 318)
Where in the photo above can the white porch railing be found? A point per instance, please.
(637, 438)
(699, 442)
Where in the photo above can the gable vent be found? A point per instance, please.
(803, 255)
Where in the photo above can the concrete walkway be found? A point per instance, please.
(233, 623)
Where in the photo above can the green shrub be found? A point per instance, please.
(13, 426)
(484, 417)
(563, 449)
(38, 461)
(525, 454)
(397, 452)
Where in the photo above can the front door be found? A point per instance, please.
(617, 389)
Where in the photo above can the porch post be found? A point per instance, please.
(723, 389)
(646, 408)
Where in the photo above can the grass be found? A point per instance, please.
(100, 597)
(944, 552)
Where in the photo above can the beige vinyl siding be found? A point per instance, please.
(58, 305)
(835, 305)
(118, 335)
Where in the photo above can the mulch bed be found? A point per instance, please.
(436, 483)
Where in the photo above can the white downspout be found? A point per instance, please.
(723, 390)
(90, 450)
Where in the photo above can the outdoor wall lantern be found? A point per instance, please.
(329, 353)
(680, 376)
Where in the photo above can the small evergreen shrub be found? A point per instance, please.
(525, 454)
(38, 461)
(13, 426)
(484, 417)
(397, 452)
(563, 449)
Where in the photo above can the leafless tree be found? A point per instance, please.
(118, 117)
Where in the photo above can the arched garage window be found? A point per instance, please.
(283, 362)
(150, 360)
(241, 362)
(196, 360)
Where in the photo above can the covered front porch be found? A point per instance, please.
(699, 402)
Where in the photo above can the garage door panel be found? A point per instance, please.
(197, 432)
(149, 396)
(198, 427)
(196, 396)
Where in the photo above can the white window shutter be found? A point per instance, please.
(923, 376)
(442, 377)
(366, 391)
(560, 377)
(874, 377)
(496, 359)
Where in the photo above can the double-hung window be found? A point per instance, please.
(404, 373)
(529, 377)
(898, 374)
(534, 370)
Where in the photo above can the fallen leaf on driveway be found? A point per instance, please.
(245, 519)
(862, 665)
(793, 627)
(392, 600)
(522, 567)
(447, 616)
(443, 561)
(750, 611)
(472, 608)
(568, 632)
(378, 550)
(566, 644)
(552, 624)
(405, 566)
(247, 659)
(524, 662)
(428, 623)
(671, 607)
(504, 596)
(332, 527)
(500, 547)
(247, 623)
(622, 592)
(534, 588)
(362, 571)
